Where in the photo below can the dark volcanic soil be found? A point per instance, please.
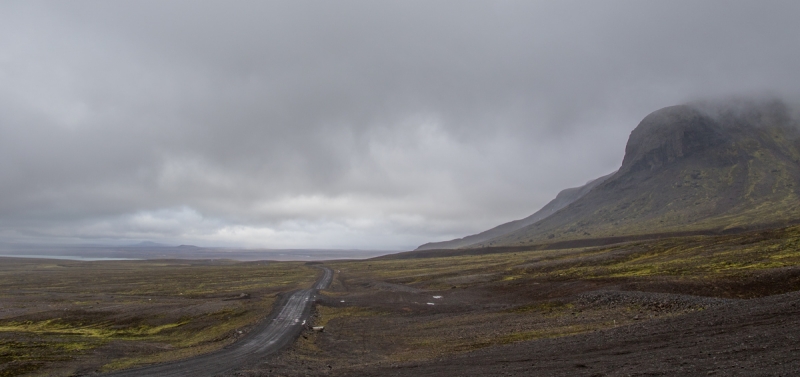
(437, 318)
(757, 337)
(697, 306)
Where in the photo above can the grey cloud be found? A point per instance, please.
(345, 124)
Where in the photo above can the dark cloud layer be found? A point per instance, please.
(345, 124)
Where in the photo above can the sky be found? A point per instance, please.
(345, 124)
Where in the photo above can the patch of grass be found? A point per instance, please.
(682, 257)
(19, 368)
(55, 327)
(22, 357)
(448, 345)
(541, 307)
(156, 310)
(554, 332)
(433, 273)
(328, 313)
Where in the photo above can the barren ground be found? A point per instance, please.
(723, 305)
(61, 318)
(700, 305)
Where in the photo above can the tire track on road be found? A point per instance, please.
(267, 338)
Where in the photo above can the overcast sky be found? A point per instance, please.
(337, 124)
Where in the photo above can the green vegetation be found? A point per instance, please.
(55, 327)
(327, 313)
(697, 257)
(742, 174)
(546, 307)
(708, 258)
(61, 314)
(494, 299)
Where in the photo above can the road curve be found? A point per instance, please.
(268, 337)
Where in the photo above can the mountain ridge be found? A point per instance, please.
(686, 168)
(562, 199)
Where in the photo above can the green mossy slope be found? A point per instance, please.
(687, 169)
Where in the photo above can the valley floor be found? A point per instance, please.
(70, 318)
(747, 337)
(701, 305)
(667, 307)
(757, 337)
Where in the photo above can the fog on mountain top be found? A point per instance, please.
(349, 124)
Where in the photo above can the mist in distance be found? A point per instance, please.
(345, 125)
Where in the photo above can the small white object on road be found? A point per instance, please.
(437, 297)
(341, 301)
(430, 303)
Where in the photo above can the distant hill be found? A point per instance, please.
(149, 244)
(716, 167)
(563, 199)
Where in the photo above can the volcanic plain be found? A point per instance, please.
(690, 305)
(703, 305)
(63, 318)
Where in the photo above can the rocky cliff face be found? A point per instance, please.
(688, 168)
(671, 134)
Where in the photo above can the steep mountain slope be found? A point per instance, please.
(563, 199)
(688, 168)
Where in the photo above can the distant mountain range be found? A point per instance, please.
(149, 244)
(698, 167)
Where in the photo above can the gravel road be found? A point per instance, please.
(268, 337)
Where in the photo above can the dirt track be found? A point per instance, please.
(270, 336)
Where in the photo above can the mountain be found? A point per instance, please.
(563, 199)
(710, 167)
(148, 244)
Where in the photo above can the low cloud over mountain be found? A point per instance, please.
(707, 167)
(354, 124)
